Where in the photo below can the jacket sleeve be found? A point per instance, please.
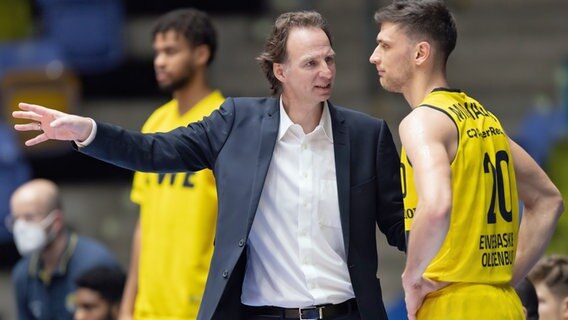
(190, 148)
(390, 208)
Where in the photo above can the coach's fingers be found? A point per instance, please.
(32, 126)
(28, 115)
(34, 108)
(37, 140)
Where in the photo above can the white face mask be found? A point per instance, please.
(32, 236)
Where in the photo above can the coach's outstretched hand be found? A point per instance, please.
(52, 124)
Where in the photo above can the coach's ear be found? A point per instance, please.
(279, 72)
(564, 308)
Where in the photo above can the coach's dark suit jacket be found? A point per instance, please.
(237, 142)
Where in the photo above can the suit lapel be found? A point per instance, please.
(270, 122)
(341, 149)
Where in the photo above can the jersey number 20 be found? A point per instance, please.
(499, 170)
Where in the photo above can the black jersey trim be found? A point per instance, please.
(446, 90)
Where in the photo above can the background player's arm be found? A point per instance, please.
(430, 149)
(543, 206)
(131, 286)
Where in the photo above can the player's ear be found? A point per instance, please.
(422, 52)
(202, 53)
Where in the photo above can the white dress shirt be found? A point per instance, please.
(296, 257)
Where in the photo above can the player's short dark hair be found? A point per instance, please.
(423, 18)
(195, 25)
(107, 281)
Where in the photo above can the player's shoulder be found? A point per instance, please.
(429, 121)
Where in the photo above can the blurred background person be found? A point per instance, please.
(98, 294)
(550, 279)
(173, 240)
(14, 170)
(53, 256)
(527, 293)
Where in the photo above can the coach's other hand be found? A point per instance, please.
(52, 124)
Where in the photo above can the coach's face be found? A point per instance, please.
(308, 73)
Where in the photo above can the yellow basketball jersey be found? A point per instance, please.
(177, 219)
(482, 238)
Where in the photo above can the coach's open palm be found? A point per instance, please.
(52, 124)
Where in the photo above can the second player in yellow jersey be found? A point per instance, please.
(177, 220)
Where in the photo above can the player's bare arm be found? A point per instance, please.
(543, 206)
(430, 140)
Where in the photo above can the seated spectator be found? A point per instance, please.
(14, 170)
(550, 279)
(98, 294)
(529, 299)
(52, 256)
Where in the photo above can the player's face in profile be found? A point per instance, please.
(309, 70)
(174, 61)
(393, 57)
(89, 305)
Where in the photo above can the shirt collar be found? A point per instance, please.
(325, 121)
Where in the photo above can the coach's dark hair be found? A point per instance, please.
(106, 281)
(275, 45)
(195, 25)
(423, 18)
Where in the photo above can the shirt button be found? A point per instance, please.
(241, 242)
(225, 274)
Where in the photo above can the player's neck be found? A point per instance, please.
(422, 86)
(188, 96)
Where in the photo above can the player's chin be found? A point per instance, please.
(165, 86)
(388, 86)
